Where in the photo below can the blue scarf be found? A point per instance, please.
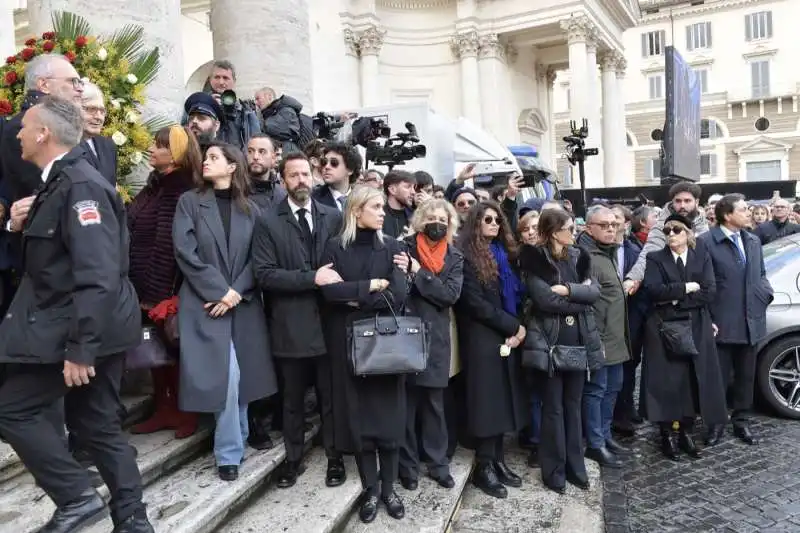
(511, 289)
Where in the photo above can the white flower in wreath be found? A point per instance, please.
(116, 103)
(136, 158)
(119, 138)
(102, 54)
(131, 78)
(132, 117)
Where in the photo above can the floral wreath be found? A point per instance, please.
(119, 64)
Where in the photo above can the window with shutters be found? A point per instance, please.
(708, 165)
(702, 76)
(652, 168)
(758, 26)
(656, 86)
(764, 170)
(709, 129)
(698, 36)
(653, 43)
(759, 76)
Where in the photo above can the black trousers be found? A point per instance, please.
(561, 441)
(377, 453)
(738, 365)
(489, 449)
(296, 375)
(425, 411)
(625, 408)
(29, 393)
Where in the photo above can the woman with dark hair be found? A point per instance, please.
(488, 332)
(561, 295)
(679, 281)
(176, 160)
(223, 330)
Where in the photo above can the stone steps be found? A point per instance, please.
(136, 407)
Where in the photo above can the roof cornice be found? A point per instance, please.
(691, 11)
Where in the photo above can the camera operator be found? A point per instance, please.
(265, 188)
(398, 186)
(341, 167)
(281, 118)
(238, 122)
(203, 120)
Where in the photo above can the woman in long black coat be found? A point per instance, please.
(488, 331)
(437, 269)
(369, 412)
(679, 280)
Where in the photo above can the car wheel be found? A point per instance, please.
(779, 376)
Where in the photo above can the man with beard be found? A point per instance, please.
(398, 186)
(204, 114)
(265, 187)
(685, 201)
(288, 244)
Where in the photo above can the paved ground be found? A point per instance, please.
(733, 488)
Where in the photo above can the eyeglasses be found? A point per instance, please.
(488, 219)
(674, 230)
(465, 203)
(94, 110)
(605, 226)
(333, 162)
(77, 83)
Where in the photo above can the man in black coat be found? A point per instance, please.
(739, 311)
(779, 226)
(69, 325)
(265, 188)
(101, 151)
(288, 243)
(341, 167)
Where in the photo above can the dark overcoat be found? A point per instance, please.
(363, 407)
(210, 266)
(668, 383)
(431, 298)
(495, 386)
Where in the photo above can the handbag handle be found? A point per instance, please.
(391, 310)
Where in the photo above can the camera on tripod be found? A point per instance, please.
(327, 126)
(395, 150)
(576, 150)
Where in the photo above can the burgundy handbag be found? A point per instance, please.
(151, 352)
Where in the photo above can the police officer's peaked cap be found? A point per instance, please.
(203, 103)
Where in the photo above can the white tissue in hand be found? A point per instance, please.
(505, 350)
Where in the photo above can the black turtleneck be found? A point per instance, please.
(224, 204)
(394, 222)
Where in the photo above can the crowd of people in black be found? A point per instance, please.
(252, 261)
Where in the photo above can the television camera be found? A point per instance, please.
(576, 152)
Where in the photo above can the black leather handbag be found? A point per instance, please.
(678, 338)
(150, 353)
(387, 345)
(560, 357)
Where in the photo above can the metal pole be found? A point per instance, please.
(582, 177)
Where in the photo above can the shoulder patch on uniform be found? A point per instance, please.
(87, 211)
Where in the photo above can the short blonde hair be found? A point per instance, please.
(690, 238)
(423, 210)
(358, 198)
(529, 218)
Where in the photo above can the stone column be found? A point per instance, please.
(353, 64)
(268, 43)
(579, 30)
(613, 158)
(627, 171)
(465, 47)
(543, 97)
(595, 139)
(7, 44)
(370, 42)
(494, 90)
(161, 20)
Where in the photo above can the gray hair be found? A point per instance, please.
(595, 210)
(224, 64)
(63, 118)
(91, 92)
(40, 67)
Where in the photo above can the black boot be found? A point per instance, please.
(686, 443)
(288, 474)
(336, 474)
(86, 510)
(616, 448)
(368, 506)
(669, 447)
(715, 434)
(506, 476)
(485, 478)
(604, 457)
(136, 523)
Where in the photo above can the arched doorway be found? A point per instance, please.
(199, 78)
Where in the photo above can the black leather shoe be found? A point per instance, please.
(88, 509)
(485, 478)
(743, 433)
(138, 523)
(228, 472)
(288, 474)
(686, 443)
(409, 483)
(616, 448)
(604, 457)
(669, 447)
(446, 482)
(368, 508)
(715, 434)
(506, 476)
(582, 484)
(336, 474)
(533, 457)
(394, 506)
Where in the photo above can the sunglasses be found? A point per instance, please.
(489, 219)
(333, 162)
(465, 203)
(674, 230)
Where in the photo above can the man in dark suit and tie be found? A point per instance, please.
(341, 167)
(288, 245)
(739, 312)
(100, 151)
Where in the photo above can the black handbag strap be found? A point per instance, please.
(391, 310)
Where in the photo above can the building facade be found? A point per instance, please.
(744, 52)
(493, 62)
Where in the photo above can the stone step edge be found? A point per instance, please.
(448, 528)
